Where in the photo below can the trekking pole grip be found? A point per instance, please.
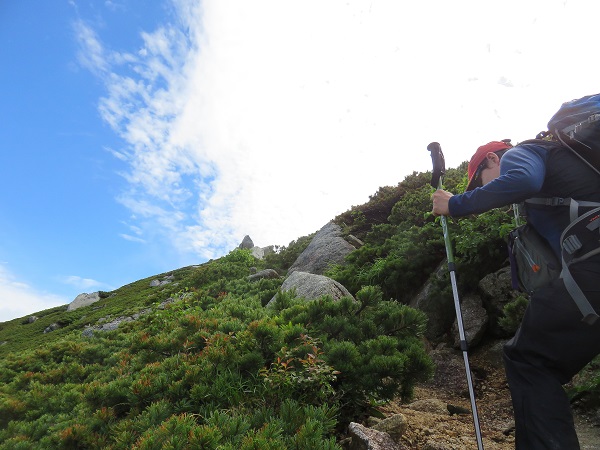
(439, 169)
(439, 164)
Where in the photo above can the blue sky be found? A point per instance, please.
(138, 137)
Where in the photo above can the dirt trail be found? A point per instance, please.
(437, 430)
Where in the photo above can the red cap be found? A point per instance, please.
(479, 157)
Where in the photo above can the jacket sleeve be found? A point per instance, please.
(522, 172)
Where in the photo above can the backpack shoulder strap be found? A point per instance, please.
(580, 236)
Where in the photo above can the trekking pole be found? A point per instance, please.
(439, 169)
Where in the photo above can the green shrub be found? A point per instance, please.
(215, 369)
(375, 345)
(513, 313)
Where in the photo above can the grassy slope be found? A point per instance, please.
(19, 335)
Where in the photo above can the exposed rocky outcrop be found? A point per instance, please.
(496, 292)
(327, 247)
(257, 252)
(246, 243)
(438, 308)
(83, 300)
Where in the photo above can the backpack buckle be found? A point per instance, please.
(555, 201)
(571, 244)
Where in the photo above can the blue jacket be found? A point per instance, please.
(534, 170)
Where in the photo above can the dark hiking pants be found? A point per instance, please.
(550, 347)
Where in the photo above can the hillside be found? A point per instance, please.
(193, 358)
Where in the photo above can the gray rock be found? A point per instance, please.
(258, 253)
(311, 286)
(430, 405)
(449, 373)
(83, 300)
(52, 328)
(496, 292)
(395, 426)
(325, 249)
(364, 438)
(354, 241)
(166, 280)
(32, 319)
(246, 243)
(475, 321)
(110, 326)
(267, 273)
(268, 250)
(438, 309)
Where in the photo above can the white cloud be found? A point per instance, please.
(18, 299)
(82, 283)
(128, 237)
(91, 55)
(269, 118)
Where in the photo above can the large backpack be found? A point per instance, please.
(576, 125)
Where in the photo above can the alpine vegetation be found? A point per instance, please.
(221, 356)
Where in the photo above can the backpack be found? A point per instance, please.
(576, 126)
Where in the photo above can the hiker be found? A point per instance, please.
(553, 343)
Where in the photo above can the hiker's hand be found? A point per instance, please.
(440, 202)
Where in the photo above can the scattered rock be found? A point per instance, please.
(32, 319)
(430, 405)
(395, 426)
(166, 280)
(106, 324)
(267, 273)
(51, 328)
(110, 326)
(364, 438)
